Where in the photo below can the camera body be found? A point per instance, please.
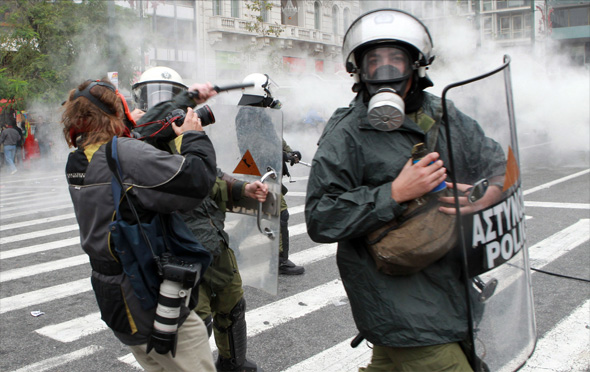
(176, 270)
(204, 113)
(178, 279)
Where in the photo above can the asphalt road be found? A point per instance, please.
(308, 325)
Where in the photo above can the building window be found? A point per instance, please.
(514, 26)
(346, 20)
(317, 15)
(504, 27)
(488, 31)
(505, 4)
(517, 30)
(235, 8)
(216, 7)
(292, 20)
(264, 11)
(487, 5)
(335, 20)
(571, 17)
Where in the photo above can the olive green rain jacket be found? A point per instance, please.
(349, 195)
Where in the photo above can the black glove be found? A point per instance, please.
(298, 154)
(292, 157)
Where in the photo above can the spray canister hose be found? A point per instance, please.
(418, 152)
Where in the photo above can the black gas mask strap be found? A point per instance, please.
(95, 101)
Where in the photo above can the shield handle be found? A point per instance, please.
(266, 231)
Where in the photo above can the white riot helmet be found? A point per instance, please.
(156, 85)
(261, 94)
(374, 40)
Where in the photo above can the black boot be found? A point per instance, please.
(226, 365)
(237, 343)
(286, 266)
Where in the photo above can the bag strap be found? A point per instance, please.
(431, 142)
(117, 187)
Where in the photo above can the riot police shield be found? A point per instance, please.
(478, 119)
(248, 146)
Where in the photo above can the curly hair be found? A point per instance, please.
(85, 123)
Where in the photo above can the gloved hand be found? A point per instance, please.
(292, 157)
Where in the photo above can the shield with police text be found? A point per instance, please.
(483, 167)
(248, 146)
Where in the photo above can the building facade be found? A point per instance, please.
(226, 39)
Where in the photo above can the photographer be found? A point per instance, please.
(157, 182)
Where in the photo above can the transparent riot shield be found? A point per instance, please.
(248, 146)
(484, 167)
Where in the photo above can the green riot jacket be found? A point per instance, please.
(207, 220)
(349, 195)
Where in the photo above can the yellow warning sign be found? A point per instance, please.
(512, 172)
(247, 165)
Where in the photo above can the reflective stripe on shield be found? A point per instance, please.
(248, 146)
(484, 164)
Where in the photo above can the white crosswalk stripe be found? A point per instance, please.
(42, 232)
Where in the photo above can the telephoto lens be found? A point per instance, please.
(165, 332)
(206, 115)
(179, 278)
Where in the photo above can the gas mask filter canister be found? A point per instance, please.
(386, 110)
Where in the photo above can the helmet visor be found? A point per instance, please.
(385, 64)
(150, 94)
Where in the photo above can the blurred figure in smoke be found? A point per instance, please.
(253, 123)
(93, 114)
(10, 139)
(362, 177)
(221, 296)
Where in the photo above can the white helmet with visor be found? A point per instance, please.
(156, 85)
(387, 26)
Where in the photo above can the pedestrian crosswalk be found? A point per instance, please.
(39, 271)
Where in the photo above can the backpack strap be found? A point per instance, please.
(117, 188)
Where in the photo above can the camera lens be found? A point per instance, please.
(206, 115)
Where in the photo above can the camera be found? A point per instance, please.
(179, 278)
(204, 113)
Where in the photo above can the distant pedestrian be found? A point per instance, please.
(10, 138)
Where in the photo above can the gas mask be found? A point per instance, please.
(386, 72)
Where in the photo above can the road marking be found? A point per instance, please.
(296, 193)
(566, 347)
(39, 248)
(60, 360)
(56, 201)
(4, 216)
(339, 358)
(9, 197)
(559, 243)
(314, 254)
(39, 234)
(279, 312)
(258, 320)
(46, 267)
(23, 300)
(557, 205)
(74, 329)
(32, 200)
(129, 359)
(543, 253)
(29, 223)
(555, 182)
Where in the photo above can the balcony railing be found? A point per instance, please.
(236, 25)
